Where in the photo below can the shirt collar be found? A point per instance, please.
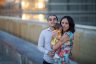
(49, 29)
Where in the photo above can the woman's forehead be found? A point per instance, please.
(64, 20)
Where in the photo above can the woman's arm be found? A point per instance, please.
(63, 39)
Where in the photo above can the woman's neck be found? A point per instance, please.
(65, 31)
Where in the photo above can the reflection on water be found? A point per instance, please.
(18, 8)
(33, 6)
(35, 17)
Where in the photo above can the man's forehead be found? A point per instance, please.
(52, 16)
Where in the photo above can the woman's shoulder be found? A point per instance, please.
(70, 34)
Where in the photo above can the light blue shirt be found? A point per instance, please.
(44, 44)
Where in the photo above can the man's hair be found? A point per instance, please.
(52, 15)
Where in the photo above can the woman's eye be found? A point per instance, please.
(66, 23)
(62, 22)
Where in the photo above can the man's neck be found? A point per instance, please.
(52, 28)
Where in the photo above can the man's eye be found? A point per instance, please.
(54, 19)
(50, 19)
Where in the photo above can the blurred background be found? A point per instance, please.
(21, 22)
(83, 11)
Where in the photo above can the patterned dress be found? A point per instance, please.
(64, 55)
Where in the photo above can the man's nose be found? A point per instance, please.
(53, 20)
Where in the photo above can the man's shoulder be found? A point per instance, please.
(44, 30)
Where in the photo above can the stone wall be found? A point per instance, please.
(84, 43)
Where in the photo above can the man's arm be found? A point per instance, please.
(41, 43)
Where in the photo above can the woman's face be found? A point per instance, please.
(65, 24)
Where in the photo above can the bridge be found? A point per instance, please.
(19, 39)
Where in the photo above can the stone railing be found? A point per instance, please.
(21, 51)
(84, 41)
(25, 29)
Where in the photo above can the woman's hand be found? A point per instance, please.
(64, 38)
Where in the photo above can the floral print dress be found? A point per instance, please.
(64, 54)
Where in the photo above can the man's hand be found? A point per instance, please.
(54, 34)
(51, 53)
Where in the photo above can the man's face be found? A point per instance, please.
(52, 20)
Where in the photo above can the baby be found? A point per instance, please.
(58, 31)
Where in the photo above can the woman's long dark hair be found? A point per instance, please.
(71, 23)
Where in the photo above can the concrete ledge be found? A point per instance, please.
(25, 48)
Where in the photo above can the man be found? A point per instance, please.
(45, 40)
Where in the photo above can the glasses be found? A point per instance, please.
(50, 19)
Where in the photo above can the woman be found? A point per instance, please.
(66, 47)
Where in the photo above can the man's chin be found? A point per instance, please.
(52, 26)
